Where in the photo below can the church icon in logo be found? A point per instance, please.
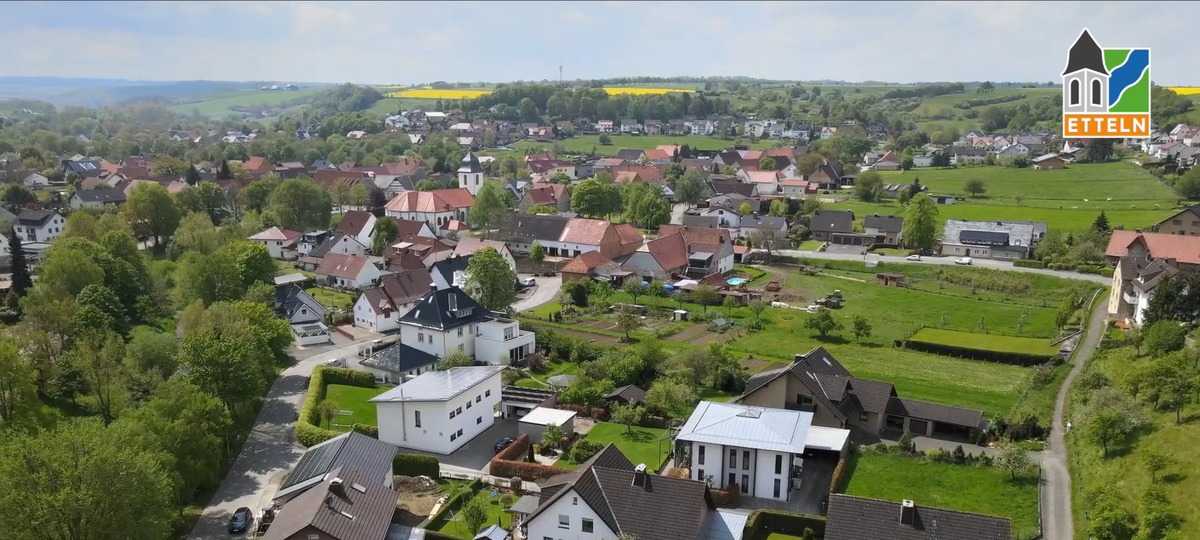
(1106, 92)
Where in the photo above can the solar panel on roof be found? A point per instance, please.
(315, 462)
(983, 238)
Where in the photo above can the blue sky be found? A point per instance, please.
(407, 43)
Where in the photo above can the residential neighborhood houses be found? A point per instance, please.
(646, 305)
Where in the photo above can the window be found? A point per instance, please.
(587, 525)
(547, 538)
(700, 475)
(487, 393)
(459, 410)
(417, 414)
(460, 331)
(451, 415)
(460, 346)
(452, 437)
(776, 488)
(732, 479)
(700, 455)
(1074, 92)
(745, 483)
(745, 459)
(468, 404)
(478, 420)
(574, 501)
(564, 521)
(477, 398)
(1097, 92)
(460, 433)
(862, 416)
(314, 537)
(732, 458)
(778, 470)
(420, 337)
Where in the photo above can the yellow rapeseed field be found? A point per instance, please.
(639, 91)
(1186, 90)
(430, 93)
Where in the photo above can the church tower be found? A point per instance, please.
(470, 174)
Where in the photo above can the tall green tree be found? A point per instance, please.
(824, 323)
(385, 233)
(596, 198)
(921, 222)
(151, 213)
(490, 206)
(81, 480)
(257, 195)
(206, 198)
(18, 385)
(868, 187)
(975, 187)
(100, 360)
(226, 365)
(299, 204)
(196, 232)
(21, 280)
(490, 281)
(689, 188)
(646, 206)
(537, 253)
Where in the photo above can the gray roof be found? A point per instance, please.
(629, 393)
(1044, 157)
(29, 216)
(439, 385)
(362, 511)
(932, 411)
(763, 222)
(527, 228)
(445, 309)
(447, 267)
(470, 164)
(761, 428)
(399, 358)
(101, 195)
(725, 524)
(858, 518)
(1020, 233)
(366, 455)
(832, 221)
(707, 222)
(884, 223)
(525, 505)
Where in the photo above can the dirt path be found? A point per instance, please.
(1057, 521)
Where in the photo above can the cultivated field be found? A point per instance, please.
(987, 342)
(222, 104)
(585, 143)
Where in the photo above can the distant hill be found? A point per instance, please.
(100, 92)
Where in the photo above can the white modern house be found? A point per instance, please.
(39, 225)
(439, 411)
(448, 320)
(761, 450)
(280, 243)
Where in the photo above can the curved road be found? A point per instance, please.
(979, 263)
(1057, 521)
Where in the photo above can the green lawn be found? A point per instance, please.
(946, 103)
(496, 514)
(1126, 471)
(584, 143)
(640, 445)
(987, 342)
(553, 368)
(1057, 197)
(810, 245)
(332, 299)
(355, 401)
(984, 490)
(216, 105)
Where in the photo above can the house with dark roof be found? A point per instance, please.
(332, 243)
(379, 308)
(625, 395)
(887, 230)
(1005, 240)
(83, 168)
(1185, 222)
(347, 271)
(816, 382)
(758, 226)
(399, 363)
(449, 272)
(39, 225)
(367, 456)
(448, 320)
(97, 198)
(561, 236)
(346, 505)
(439, 411)
(824, 224)
(607, 496)
(296, 306)
(859, 518)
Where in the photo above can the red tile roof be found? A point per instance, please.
(353, 222)
(1185, 249)
(670, 149)
(652, 155)
(327, 178)
(406, 287)
(669, 251)
(275, 233)
(548, 195)
(407, 227)
(405, 166)
(257, 164)
(629, 234)
(585, 231)
(647, 172)
(342, 265)
(438, 200)
(586, 262)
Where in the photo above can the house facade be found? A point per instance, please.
(379, 309)
(39, 225)
(439, 411)
(282, 244)
(358, 224)
(97, 199)
(436, 208)
(887, 230)
(448, 320)
(1184, 222)
(347, 271)
(1004, 240)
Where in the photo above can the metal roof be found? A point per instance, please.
(762, 428)
(439, 385)
(544, 416)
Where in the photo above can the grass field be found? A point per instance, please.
(1056, 218)
(219, 104)
(332, 299)
(455, 527)
(946, 103)
(987, 342)
(553, 368)
(584, 144)
(984, 490)
(640, 445)
(355, 400)
(1126, 472)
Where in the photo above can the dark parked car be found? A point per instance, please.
(503, 443)
(240, 522)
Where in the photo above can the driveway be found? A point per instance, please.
(476, 454)
(1056, 484)
(981, 263)
(269, 452)
(544, 292)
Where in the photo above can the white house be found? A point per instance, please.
(280, 243)
(467, 245)
(35, 181)
(439, 411)
(358, 224)
(435, 208)
(296, 306)
(341, 244)
(378, 309)
(96, 199)
(449, 320)
(39, 225)
(347, 271)
(449, 272)
(759, 449)
(604, 126)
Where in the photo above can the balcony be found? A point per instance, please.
(1128, 297)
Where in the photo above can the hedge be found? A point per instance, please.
(840, 477)
(366, 429)
(510, 462)
(308, 430)
(725, 497)
(762, 523)
(405, 464)
(1029, 263)
(1003, 357)
(1106, 272)
(452, 504)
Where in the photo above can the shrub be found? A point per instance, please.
(349, 377)
(584, 449)
(837, 484)
(1028, 263)
(1003, 357)
(510, 462)
(366, 429)
(679, 472)
(1106, 272)
(308, 430)
(405, 464)
(455, 502)
(763, 522)
(725, 497)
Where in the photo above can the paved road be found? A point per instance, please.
(544, 292)
(269, 451)
(1057, 523)
(981, 263)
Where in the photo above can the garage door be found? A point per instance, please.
(918, 427)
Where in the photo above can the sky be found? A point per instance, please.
(420, 42)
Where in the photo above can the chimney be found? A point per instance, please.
(336, 487)
(908, 512)
(433, 287)
(639, 475)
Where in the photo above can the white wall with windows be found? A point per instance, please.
(569, 518)
(440, 427)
